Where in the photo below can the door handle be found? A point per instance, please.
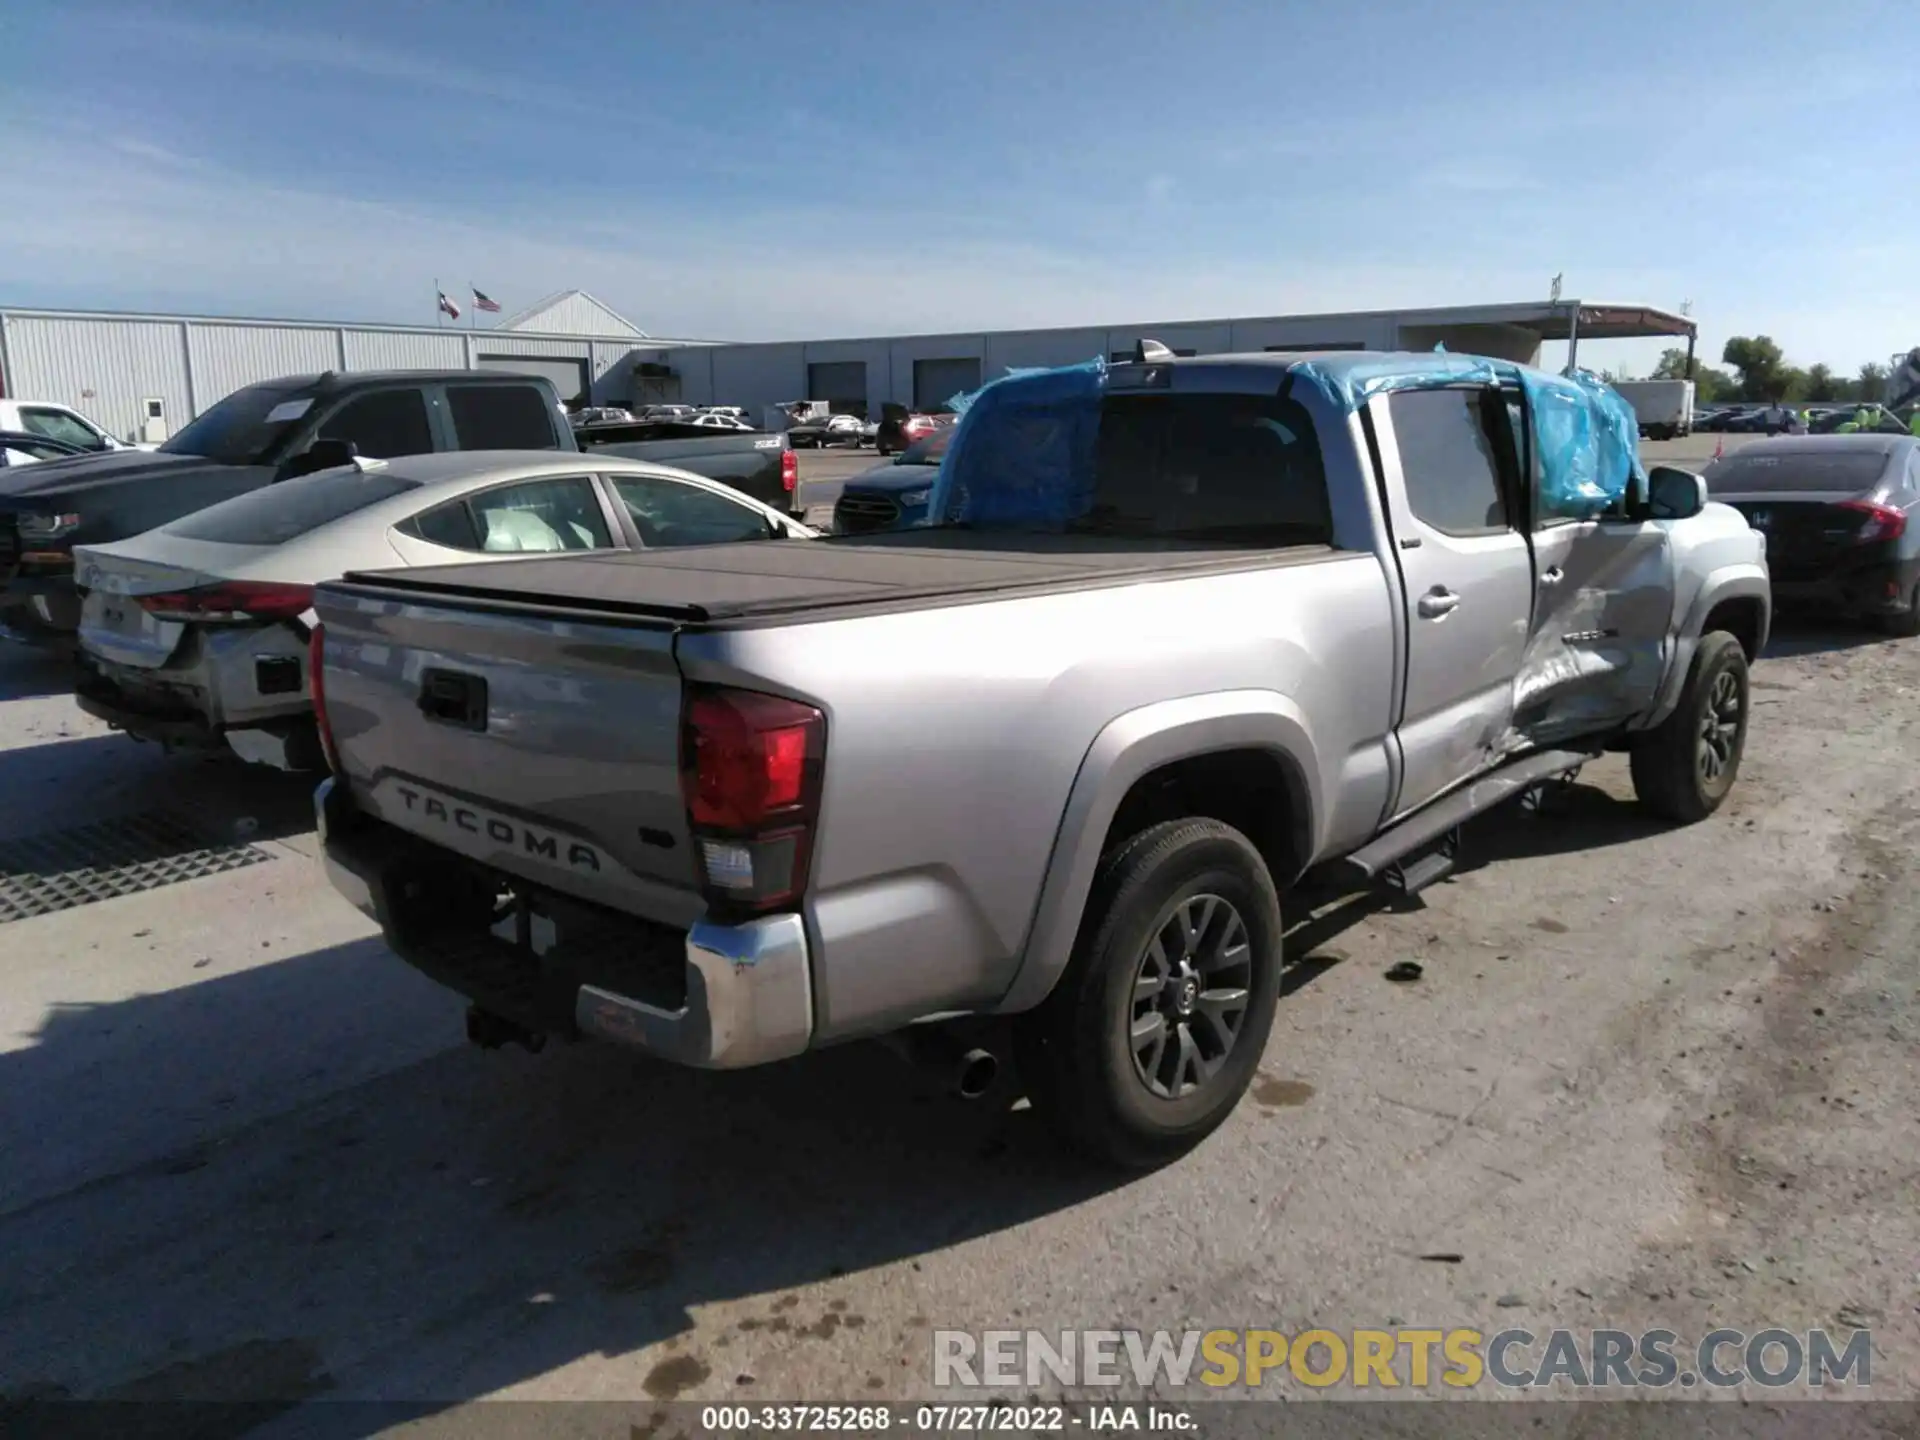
(1437, 602)
(1552, 575)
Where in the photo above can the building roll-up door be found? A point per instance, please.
(569, 377)
(841, 383)
(935, 382)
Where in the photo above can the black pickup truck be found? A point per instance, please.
(759, 463)
(279, 429)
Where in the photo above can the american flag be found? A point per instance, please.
(448, 306)
(481, 301)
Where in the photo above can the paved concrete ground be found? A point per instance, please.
(1648, 1077)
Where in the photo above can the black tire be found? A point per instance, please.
(1685, 766)
(1905, 625)
(1076, 1051)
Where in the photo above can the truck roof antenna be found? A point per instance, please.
(1145, 351)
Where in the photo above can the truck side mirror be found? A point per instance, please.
(320, 455)
(1674, 494)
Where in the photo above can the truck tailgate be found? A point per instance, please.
(544, 747)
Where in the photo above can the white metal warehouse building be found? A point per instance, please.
(923, 371)
(127, 370)
(145, 376)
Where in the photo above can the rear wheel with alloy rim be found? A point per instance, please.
(1190, 996)
(1153, 1033)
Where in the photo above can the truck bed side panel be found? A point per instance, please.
(955, 736)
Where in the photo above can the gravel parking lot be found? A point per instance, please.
(1645, 1077)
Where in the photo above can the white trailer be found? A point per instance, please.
(1665, 407)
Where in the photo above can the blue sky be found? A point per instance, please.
(763, 171)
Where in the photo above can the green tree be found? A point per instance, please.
(1763, 369)
(1872, 383)
(1821, 384)
(1709, 384)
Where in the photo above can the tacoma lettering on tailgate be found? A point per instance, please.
(542, 844)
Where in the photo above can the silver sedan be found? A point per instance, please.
(195, 634)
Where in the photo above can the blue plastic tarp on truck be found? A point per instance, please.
(1024, 450)
(1585, 433)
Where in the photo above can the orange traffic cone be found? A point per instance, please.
(1720, 447)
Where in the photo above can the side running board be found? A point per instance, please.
(1380, 855)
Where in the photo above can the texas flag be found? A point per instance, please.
(481, 301)
(447, 306)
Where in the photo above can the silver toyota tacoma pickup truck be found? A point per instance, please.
(1061, 763)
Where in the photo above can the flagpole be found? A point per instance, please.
(439, 311)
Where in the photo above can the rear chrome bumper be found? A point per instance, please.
(749, 999)
(748, 987)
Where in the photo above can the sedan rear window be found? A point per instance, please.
(1772, 473)
(278, 513)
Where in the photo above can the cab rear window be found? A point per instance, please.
(1229, 468)
(275, 514)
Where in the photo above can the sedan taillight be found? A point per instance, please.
(232, 600)
(1883, 522)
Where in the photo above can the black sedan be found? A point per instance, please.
(1835, 510)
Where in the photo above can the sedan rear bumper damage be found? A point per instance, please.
(285, 744)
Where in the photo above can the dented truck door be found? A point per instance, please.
(1602, 598)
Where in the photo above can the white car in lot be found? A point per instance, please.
(196, 633)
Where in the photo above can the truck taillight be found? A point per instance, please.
(789, 470)
(316, 687)
(231, 600)
(750, 771)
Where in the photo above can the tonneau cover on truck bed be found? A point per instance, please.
(754, 579)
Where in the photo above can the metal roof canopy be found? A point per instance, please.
(1567, 320)
(1574, 321)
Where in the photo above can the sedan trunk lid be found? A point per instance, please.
(115, 579)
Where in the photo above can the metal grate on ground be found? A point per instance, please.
(62, 869)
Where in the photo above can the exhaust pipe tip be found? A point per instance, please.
(968, 1074)
(976, 1073)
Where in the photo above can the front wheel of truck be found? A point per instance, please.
(1155, 1029)
(1684, 767)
